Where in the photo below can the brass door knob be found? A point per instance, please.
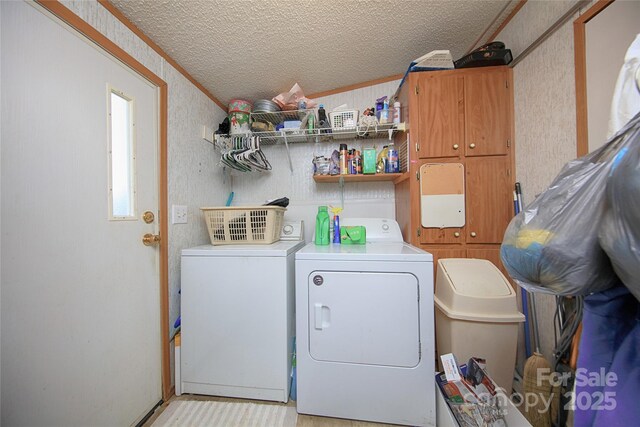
(473, 234)
(151, 239)
(148, 217)
(472, 145)
(456, 234)
(456, 146)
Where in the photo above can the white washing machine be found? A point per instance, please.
(238, 321)
(365, 329)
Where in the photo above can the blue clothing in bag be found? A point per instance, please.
(608, 371)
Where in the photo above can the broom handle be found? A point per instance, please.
(525, 310)
(534, 321)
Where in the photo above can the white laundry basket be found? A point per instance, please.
(477, 316)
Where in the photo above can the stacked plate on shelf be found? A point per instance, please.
(265, 106)
(263, 115)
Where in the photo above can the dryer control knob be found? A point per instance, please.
(385, 227)
(287, 229)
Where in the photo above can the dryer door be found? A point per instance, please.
(364, 317)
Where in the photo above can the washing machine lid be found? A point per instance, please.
(279, 248)
(403, 252)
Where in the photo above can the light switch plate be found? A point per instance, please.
(178, 214)
(207, 133)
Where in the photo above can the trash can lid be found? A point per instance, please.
(474, 289)
(476, 277)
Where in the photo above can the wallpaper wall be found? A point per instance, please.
(545, 113)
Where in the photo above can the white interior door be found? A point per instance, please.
(367, 318)
(81, 340)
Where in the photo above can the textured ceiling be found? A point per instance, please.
(257, 49)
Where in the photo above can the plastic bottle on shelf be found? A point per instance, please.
(384, 114)
(392, 159)
(382, 160)
(351, 164)
(311, 122)
(344, 159)
(322, 226)
(322, 115)
(323, 123)
(396, 112)
(357, 162)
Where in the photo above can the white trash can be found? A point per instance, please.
(477, 316)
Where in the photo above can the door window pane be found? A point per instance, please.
(121, 156)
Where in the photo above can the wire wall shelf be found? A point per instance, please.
(286, 136)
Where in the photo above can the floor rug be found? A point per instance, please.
(194, 413)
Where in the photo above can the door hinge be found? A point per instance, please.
(418, 175)
(417, 147)
(417, 90)
(507, 83)
(418, 231)
(508, 172)
(508, 143)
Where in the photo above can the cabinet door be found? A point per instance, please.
(439, 236)
(487, 107)
(489, 195)
(441, 116)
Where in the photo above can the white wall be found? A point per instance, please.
(608, 36)
(361, 199)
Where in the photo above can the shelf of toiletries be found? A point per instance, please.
(362, 164)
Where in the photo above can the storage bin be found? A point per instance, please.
(477, 316)
(244, 225)
(343, 121)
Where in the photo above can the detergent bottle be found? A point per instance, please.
(336, 223)
(322, 226)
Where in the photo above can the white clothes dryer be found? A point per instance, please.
(365, 329)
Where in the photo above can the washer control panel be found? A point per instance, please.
(292, 230)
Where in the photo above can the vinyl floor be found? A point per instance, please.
(303, 420)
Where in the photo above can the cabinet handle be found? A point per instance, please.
(456, 146)
(472, 145)
(456, 234)
(473, 234)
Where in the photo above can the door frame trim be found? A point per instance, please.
(74, 21)
(580, 61)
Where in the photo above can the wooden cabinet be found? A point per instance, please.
(440, 129)
(462, 113)
(489, 198)
(487, 101)
(461, 116)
